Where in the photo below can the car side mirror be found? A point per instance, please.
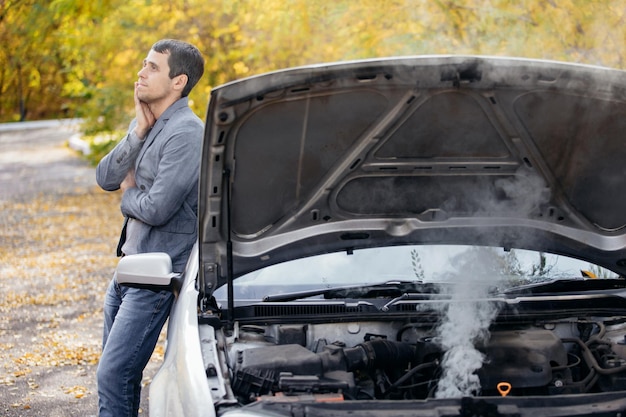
(153, 268)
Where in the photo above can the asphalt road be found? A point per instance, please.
(51, 320)
(35, 159)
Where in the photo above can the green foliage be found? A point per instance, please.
(71, 58)
(100, 144)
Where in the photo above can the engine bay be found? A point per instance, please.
(401, 360)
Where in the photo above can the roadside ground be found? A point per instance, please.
(58, 233)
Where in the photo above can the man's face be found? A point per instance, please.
(154, 81)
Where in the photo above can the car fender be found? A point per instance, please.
(180, 386)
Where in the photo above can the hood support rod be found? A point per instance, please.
(229, 255)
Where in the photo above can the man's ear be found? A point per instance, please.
(180, 81)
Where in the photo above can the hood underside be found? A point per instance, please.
(467, 150)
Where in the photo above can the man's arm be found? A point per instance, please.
(129, 181)
(177, 175)
(116, 166)
(112, 169)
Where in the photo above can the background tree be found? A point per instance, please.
(70, 58)
(30, 80)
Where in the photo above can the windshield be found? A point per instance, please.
(424, 263)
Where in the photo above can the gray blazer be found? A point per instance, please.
(167, 166)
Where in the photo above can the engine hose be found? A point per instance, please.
(591, 360)
(597, 338)
(379, 353)
(569, 365)
(592, 382)
(587, 382)
(409, 374)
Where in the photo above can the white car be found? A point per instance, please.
(418, 236)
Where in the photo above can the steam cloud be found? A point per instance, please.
(468, 315)
(466, 321)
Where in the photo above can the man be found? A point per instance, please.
(157, 167)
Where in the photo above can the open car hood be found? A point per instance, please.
(440, 149)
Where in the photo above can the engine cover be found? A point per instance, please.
(523, 358)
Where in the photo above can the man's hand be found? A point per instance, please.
(129, 181)
(145, 118)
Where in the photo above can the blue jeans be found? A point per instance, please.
(133, 319)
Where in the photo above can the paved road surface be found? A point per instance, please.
(35, 159)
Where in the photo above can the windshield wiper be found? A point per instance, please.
(390, 289)
(417, 289)
(560, 286)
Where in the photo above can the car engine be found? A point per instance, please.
(402, 361)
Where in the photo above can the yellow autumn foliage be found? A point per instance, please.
(75, 58)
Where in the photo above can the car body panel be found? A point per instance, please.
(432, 149)
(180, 386)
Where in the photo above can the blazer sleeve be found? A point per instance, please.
(112, 169)
(177, 175)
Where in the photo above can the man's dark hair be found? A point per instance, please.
(184, 58)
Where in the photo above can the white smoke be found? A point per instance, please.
(466, 321)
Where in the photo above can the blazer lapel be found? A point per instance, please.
(158, 126)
